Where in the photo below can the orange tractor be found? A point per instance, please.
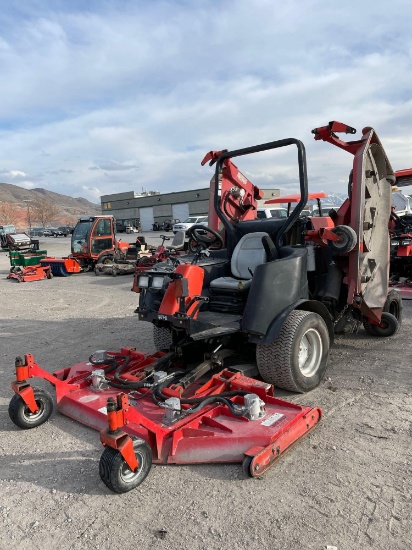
(93, 241)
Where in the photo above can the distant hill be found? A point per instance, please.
(70, 208)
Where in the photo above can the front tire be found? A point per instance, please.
(116, 474)
(21, 415)
(297, 360)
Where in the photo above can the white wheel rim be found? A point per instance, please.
(126, 474)
(310, 352)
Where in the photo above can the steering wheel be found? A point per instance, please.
(203, 237)
(165, 238)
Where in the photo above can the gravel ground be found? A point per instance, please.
(347, 485)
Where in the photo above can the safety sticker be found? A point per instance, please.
(272, 419)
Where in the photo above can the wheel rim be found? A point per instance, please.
(343, 240)
(310, 352)
(33, 417)
(126, 474)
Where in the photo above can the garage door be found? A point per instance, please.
(180, 211)
(146, 218)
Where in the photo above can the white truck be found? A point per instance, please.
(278, 213)
(402, 203)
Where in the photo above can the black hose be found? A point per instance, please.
(216, 399)
(195, 400)
(111, 362)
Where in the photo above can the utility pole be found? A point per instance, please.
(27, 201)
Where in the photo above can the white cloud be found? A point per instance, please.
(148, 89)
(17, 174)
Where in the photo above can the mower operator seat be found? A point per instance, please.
(248, 253)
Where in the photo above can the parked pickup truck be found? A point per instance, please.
(187, 224)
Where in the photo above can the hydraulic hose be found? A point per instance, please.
(216, 399)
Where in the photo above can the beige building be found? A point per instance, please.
(143, 210)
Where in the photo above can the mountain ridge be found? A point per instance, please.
(70, 208)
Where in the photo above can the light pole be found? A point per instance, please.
(27, 201)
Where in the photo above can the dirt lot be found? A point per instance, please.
(347, 485)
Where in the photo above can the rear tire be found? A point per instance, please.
(393, 306)
(389, 326)
(297, 360)
(162, 338)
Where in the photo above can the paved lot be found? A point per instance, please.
(348, 484)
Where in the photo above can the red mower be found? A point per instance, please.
(255, 306)
(161, 255)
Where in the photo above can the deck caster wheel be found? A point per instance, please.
(116, 474)
(388, 327)
(21, 415)
(49, 274)
(246, 466)
(347, 239)
(96, 271)
(114, 272)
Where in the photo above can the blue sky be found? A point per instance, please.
(100, 97)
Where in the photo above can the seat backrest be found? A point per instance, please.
(248, 253)
(178, 241)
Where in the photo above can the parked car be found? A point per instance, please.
(36, 232)
(277, 213)
(48, 233)
(131, 229)
(120, 227)
(325, 209)
(168, 224)
(62, 231)
(189, 222)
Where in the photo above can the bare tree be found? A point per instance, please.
(9, 214)
(44, 211)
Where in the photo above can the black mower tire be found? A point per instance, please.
(116, 474)
(348, 239)
(162, 338)
(392, 305)
(105, 259)
(246, 464)
(389, 326)
(298, 359)
(20, 414)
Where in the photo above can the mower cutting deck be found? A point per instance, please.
(148, 410)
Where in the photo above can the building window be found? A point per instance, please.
(107, 206)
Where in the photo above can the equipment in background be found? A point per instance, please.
(26, 267)
(401, 255)
(167, 255)
(11, 240)
(93, 241)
